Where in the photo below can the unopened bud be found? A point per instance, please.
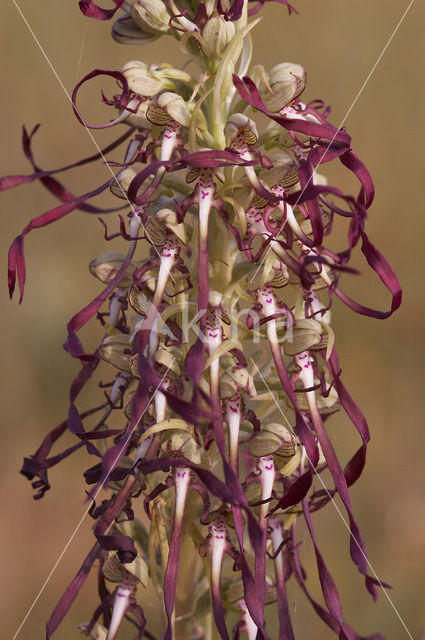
(216, 35)
(150, 16)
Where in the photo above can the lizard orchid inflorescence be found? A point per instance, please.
(211, 441)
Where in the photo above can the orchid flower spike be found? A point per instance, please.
(216, 366)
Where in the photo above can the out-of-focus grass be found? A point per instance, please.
(337, 42)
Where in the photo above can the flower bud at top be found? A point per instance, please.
(216, 35)
(287, 82)
(150, 16)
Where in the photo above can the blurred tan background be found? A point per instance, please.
(337, 41)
